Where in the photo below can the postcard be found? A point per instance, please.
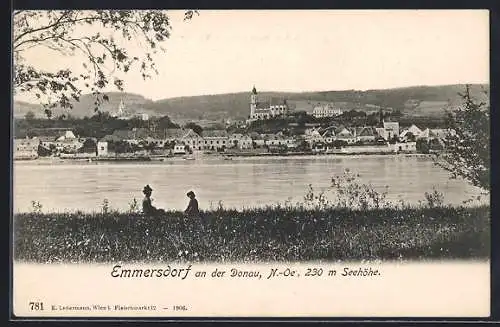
(250, 163)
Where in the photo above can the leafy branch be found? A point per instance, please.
(468, 143)
(100, 36)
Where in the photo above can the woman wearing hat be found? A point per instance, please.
(193, 212)
(147, 208)
(192, 209)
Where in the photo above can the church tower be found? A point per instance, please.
(121, 108)
(253, 102)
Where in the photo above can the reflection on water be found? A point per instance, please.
(244, 182)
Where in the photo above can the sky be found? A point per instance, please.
(316, 50)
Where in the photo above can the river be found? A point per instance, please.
(237, 183)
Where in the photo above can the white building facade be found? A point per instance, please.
(326, 111)
(102, 148)
(26, 148)
(263, 110)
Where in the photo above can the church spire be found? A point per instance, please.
(254, 90)
(121, 107)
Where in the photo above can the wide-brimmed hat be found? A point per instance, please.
(190, 193)
(147, 189)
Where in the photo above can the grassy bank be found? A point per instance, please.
(256, 235)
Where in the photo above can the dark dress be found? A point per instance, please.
(148, 209)
(192, 209)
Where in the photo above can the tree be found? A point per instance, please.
(101, 36)
(89, 146)
(468, 143)
(163, 123)
(29, 115)
(303, 146)
(422, 146)
(120, 147)
(48, 113)
(410, 137)
(195, 127)
(396, 113)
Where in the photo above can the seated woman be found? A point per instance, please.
(192, 209)
(147, 208)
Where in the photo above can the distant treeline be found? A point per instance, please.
(96, 126)
(103, 124)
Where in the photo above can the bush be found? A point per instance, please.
(434, 199)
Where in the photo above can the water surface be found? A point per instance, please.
(241, 182)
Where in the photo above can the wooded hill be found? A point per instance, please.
(419, 101)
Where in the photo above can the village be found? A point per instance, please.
(150, 143)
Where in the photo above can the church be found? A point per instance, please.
(260, 110)
(123, 114)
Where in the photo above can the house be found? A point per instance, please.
(411, 133)
(240, 141)
(313, 135)
(26, 148)
(69, 145)
(404, 147)
(179, 148)
(257, 139)
(150, 138)
(291, 142)
(365, 134)
(57, 139)
(425, 134)
(47, 142)
(68, 135)
(215, 140)
(194, 141)
(391, 130)
(102, 148)
(346, 135)
(328, 110)
(380, 132)
(184, 136)
(173, 134)
(274, 140)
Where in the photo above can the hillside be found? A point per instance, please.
(85, 107)
(413, 101)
